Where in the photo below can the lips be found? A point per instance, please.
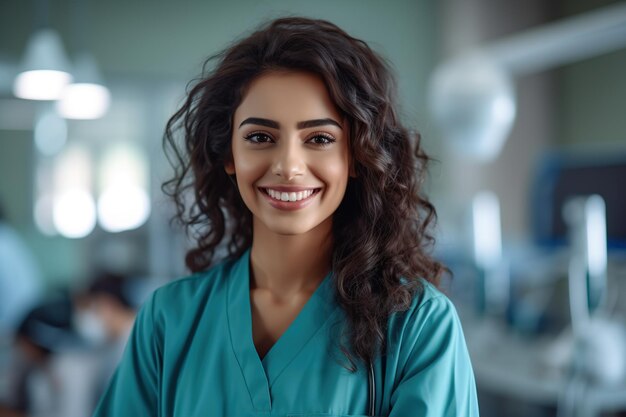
(289, 195)
(289, 198)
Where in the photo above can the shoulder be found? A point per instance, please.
(429, 302)
(431, 319)
(191, 291)
(428, 360)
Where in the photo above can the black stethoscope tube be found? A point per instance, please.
(372, 390)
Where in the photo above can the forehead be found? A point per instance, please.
(287, 96)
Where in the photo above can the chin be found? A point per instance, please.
(290, 230)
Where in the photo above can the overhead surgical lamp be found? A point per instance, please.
(473, 100)
(472, 96)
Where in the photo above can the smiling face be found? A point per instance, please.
(290, 153)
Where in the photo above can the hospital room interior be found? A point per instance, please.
(521, 105)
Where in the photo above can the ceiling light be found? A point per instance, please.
(45, 69)
(86, 97)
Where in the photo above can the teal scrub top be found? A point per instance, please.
(191, 353)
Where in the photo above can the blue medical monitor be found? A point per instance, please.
(565, 175)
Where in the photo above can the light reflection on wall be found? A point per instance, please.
(74, 213)
(64, 201)
(123, 203)
(73, 206)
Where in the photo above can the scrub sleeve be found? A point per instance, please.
(437, 378)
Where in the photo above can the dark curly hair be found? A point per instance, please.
(381, 228)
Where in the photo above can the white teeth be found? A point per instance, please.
(292, 196)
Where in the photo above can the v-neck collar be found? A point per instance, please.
(260, 374)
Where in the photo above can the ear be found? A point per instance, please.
(229, 166)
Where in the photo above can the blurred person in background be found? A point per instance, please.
(65, 350)
(20, 279)
(103, 317)
(36, 382)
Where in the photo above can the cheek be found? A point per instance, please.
(333, 169)
(337, 164)
(249, 167)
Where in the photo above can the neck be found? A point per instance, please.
(290, 264)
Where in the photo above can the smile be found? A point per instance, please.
(290, 196)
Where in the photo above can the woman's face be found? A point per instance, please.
(290, 153)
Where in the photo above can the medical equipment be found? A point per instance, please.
(372, 390)
(599, 346)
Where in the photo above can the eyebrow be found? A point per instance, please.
(301, 125)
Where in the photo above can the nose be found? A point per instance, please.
(289, 162)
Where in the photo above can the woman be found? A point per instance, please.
(327, 302)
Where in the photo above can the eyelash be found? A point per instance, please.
(329, 139)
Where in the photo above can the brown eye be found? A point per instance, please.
(258, 137)
(321, 139)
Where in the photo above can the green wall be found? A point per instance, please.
(591, 94)
(592, 101)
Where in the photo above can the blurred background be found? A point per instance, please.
(521, 103)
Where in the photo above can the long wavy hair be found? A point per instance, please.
(381, 229)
